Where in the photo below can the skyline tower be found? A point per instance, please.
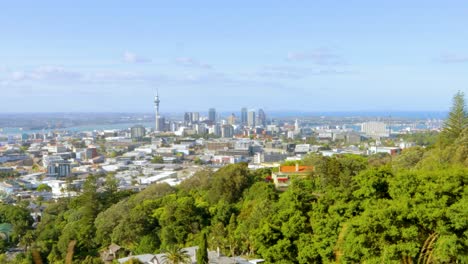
(212, 115)
(251, 118)
(297, 128)
(261, 117)
(157, 127)
(243, 115)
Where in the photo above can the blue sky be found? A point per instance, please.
(108, 56)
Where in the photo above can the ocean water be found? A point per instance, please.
(18, 131)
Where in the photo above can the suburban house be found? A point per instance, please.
(111, 253)
(285, 174)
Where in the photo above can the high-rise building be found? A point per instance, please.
(191, 117)
(251, 118)
(200, 129)
(212, 115)
(261, 118)
(195, 117)
(227, 131)
(138, 132)
(162, 123)
(244, 116)
(297, 127)
(59, 168)
(216, 130)
(231, 119)
(187, 118)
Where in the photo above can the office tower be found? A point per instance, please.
(200, 129)
(297, 127)
(231, 119)
(138, 132)
(187, 118)
(244, 116)
(217, 130)
(162, 124)
(173, 126)
(212, 115)
(195, 117)
(261, 118)
(157, 126)
(227, 131)
(251, 118)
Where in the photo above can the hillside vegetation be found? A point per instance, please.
(411, 208)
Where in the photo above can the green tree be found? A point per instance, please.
(409, 158)
(157, 160)
(202, 252)
(18, 219)
(457, 119)
(175, 255)
(44, 188)
(79, 225)
(133, 261)
(229, 182)
(179, 218)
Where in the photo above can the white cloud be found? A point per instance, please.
(191, 62)
(46, 73)
(295, 73)
(320, 56)
(131, 57)
(453, 58)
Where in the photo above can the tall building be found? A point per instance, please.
(138, 132)
(195, 117)
(162, 124)
(227, 131)
(59, 168)
(297, 127)
(231, 119)
(191, 117)
(212, 115)
(216, 130)
(251, 118)
(200, 129)
(261, 118)
(187, 118)
(157, 126)
(244, 116)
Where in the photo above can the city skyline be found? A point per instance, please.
(99, 57)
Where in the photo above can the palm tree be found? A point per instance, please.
(176, 255)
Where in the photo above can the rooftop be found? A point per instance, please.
(292, 169)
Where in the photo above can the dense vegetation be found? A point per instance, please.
(412, 208)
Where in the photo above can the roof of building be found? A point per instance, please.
(292, 169)
(145, 258)
(114, 247)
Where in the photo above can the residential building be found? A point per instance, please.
(59, 168)
(375, 129)
(285, 174)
